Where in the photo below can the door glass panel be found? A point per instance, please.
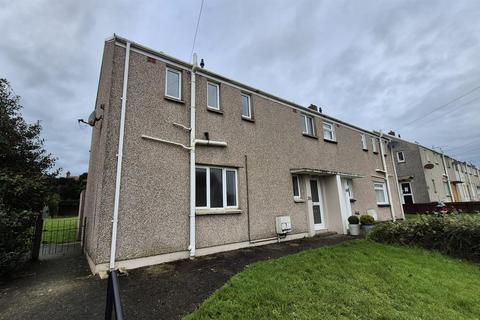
(317, 216)
(314, 188)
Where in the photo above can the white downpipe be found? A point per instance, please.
(382, 151)
(192, 245)
(118, 178)
(448, 177)
(397, 184)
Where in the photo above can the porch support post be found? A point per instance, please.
(311, 223)
(341, 199)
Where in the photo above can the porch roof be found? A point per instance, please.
(405, 178)
(322, 172)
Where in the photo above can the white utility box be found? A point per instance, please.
(283, 224)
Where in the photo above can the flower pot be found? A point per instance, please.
(367, 227)
(354, 229)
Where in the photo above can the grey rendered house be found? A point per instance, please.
(185, 162)
(426, 175)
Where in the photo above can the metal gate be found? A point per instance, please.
(59, 237)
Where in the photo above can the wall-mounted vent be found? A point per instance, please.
(283, 225)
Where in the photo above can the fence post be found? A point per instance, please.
(37, 237)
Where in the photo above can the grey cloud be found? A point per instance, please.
(376, 64)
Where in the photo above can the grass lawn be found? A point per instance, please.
(354, 280)
(59, 230)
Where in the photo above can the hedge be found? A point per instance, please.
(457, 236)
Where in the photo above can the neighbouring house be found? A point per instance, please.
(185, 162)
(426, 175)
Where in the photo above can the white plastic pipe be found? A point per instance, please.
(118, 178)
(192, 245)
(392, 210)
(211, 143)
(397, 184)
(448, 177)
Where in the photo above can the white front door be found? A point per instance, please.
(317, 206)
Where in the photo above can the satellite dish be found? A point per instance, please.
(92, 118)
(429, 166)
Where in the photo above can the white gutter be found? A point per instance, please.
(392, 210)
(397, 184)
(192, 245)
(448, 177)
(119, 160)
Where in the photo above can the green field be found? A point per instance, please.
(354, 280)
(59, 230)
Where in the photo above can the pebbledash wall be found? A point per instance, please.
(153, 225)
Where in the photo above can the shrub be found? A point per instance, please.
(353, 220)
(458, 236)
(367, 219)
(16, 230)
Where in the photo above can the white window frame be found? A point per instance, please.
(179, 83)
(305, 126)
(218, 95)
(374, 145)
(330, 129)
(383, 187)
(364, 142)
(398, 156)
(249, 99)
(298, 186)
(224, 187)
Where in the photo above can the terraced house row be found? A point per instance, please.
(185, 162)
(426, 175)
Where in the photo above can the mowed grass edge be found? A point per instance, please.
(355, 280)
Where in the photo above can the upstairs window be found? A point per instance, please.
(215, 188)
(308, 125)
(381, 193)
(328, 131)
(173, 83)
(374, 145)
(364, 142)
(400, 156)
(296, 187)
(213, 96)
(246, 107)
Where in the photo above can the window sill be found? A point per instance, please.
(215, 111)
(330, 141)
(174, 99)
(310, 136)
(384, 205)
(298, 200)
(248, 119)
(216, 211)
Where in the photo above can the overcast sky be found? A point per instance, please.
(375, 64)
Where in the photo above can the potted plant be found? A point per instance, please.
(354, 225)
(367, 222)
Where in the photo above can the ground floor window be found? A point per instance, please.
(216, 187)
(381, 193)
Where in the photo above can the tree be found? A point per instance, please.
(24, 178)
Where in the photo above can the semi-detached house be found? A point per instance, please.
(185, 162)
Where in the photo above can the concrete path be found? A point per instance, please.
(65, 289)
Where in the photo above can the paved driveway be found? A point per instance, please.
(65, 289)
